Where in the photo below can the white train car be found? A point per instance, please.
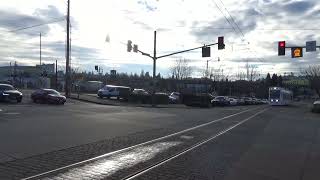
(279, 96)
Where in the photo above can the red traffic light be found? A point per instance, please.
(281, 48)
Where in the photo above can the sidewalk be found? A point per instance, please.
(92, 98)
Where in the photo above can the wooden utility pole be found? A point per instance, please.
(67, 76)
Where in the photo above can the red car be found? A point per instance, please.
(48, 96)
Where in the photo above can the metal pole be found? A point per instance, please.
(207, 71)
(67, 78)
(154, 68)
(56, 74)
(40, 50)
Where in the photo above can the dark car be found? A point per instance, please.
(316, 107)
(8, 93)
(220, 101)
(48, 96)
(140, 96)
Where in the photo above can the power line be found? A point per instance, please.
(37, 25)
(224, 16)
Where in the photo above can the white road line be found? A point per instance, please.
(137, 145)
(195, 146)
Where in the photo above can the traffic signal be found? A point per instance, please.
(135, 48)
(296, 52)
(96, 68)
(129, 46)
(205, 51)
(221, 44)
(281, 48)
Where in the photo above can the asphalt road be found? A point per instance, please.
(28, 129)
(276, 143)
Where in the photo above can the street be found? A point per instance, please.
(241, 142)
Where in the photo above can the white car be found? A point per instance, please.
(174, 97)
(114, 91)
(233, 101)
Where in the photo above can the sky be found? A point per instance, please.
(251, 29)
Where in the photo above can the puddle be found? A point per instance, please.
(100, 169)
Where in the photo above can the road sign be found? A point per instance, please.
(296, 52)
(311, 46)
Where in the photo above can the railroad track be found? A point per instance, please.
(134, 161)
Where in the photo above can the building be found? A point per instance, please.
(28, 76)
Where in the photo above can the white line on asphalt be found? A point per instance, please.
(194, 146)
(137, 145)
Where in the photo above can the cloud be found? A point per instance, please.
(298, 7)
(14, 20)
(147, 5)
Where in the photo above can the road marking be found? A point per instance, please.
(194, 146)
(138, 145)
(12, 113)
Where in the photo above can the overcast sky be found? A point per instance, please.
(180, 24)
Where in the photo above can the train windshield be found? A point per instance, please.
(274, 94)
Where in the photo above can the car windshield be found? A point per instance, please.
(6, 87)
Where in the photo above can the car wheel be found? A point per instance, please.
(19, 100)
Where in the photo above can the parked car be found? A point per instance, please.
(233, 101)
(140, 96)
(144, 97)
(50, 96)
(265, 101)
(241, 101)
(248, 101)
(8, 93)
(220, 101)
(174, 97)
(316, 106)
(109, 91)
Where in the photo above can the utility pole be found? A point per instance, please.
(154, 68)
(14, 73)
(56, 74)
(40, 50)
(67, 76)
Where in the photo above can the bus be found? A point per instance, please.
(279, 96)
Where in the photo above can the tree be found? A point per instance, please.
(142, 73)
(313, 75)
(181, 69)
(280, 81)
(268, 80)
(147, 74)
(274, 80)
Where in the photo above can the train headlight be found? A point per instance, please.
(277, 100)
(271, 100)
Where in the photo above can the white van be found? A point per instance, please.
(114, 91)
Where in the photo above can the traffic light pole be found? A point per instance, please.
(154, 58)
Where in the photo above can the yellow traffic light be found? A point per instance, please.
(296, 52)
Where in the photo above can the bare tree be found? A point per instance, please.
(181, 69)
(252, 72)
(313, 75)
